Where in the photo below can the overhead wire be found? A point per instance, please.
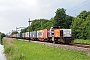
(78, 6)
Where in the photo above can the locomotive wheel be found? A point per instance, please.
(54, 42)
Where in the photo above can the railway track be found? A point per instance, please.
(81, 45)
(74, 44)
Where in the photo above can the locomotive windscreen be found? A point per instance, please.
(67, 33)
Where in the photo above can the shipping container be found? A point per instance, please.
(23, 35)
(31, 34)
(13, 35)
(20, 35)
(27, 34)
(40, 34)
(45, 33)
(34, 34)
(17, 35)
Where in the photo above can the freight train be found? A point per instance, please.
(54, 34)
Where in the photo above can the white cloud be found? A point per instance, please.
(31, 2)
(15, 13)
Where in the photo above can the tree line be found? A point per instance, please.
(80, 24)
(2, 35)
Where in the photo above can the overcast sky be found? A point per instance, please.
(15, 13)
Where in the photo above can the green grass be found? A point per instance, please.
(82, 41)
(34, 51)
(12, 52)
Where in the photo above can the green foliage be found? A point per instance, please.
(61, 19)
(24, 30)
(39, 24)
(82, 41)
(83, 14)
(88, 26)
(2, 35)
(81, 25)
(68, 21)
(12, 52)
(47, 25)
(14, 32)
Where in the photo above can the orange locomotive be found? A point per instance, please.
(62, 36)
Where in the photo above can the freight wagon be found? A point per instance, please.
(13, 35)
(23, 35)
(42, 35)
(34, 35)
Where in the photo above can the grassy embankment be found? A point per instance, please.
(82, 41)
(21, 50)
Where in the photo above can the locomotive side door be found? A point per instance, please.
(61, 34)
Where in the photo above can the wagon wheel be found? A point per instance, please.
(55, 41)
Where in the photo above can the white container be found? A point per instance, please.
(27, 34)
(40, 34)
(23, 35)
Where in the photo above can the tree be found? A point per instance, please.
(80, 25)
(14, 32)
(2, 35)
(59, 18)
(88, 26)
(38, 24)
(24, 30)
(68, 21)
(83, 14)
